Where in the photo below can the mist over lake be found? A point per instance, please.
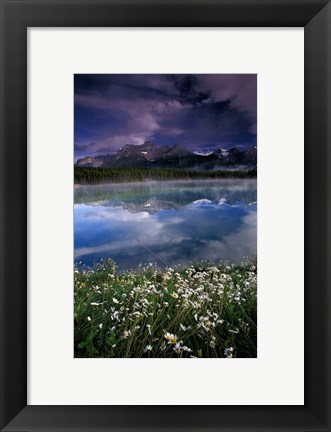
(169, 224)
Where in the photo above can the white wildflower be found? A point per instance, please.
(171, 338)
(177, 348)
(228, 352)
(126, 334)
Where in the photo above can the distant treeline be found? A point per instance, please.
(89, 175)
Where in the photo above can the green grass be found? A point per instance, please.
(202, 311)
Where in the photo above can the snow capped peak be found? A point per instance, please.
(223, 152)
(203, 153)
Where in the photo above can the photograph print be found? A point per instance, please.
(165, 216)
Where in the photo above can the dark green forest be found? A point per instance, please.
(89, 175)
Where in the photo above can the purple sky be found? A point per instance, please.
(198, 112)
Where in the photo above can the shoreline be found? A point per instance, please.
(95, 176)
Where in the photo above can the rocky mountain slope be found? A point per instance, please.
(149, 155)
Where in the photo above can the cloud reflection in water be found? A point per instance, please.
(178, 224)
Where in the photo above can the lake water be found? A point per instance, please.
(166, 223)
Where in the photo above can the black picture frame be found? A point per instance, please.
(16, 17)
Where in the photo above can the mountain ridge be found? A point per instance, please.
(150, 155)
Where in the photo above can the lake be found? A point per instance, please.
(168, 223)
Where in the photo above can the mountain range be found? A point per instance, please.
(150, 155)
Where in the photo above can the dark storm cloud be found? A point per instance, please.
(199, 112)
(187, 87)
(81, 147)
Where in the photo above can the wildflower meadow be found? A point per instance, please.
(202, 311)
